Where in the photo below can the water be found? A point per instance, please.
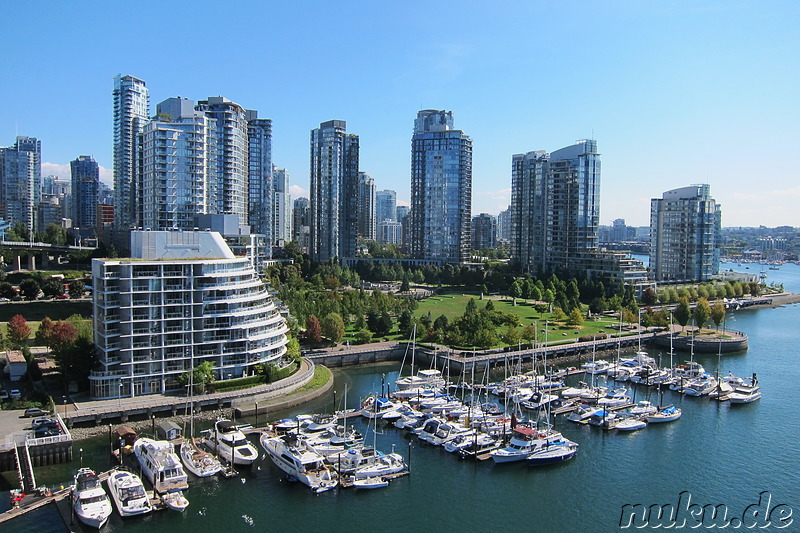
(719, 453)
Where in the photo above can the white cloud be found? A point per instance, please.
(63, 171)
(297, 191)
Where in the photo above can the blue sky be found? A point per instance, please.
(675, 93)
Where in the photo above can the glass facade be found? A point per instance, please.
(685, 235)
(334, 192)
(85, 192)
(441, 189)
(131, 113)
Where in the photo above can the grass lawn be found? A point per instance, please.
(453, 305)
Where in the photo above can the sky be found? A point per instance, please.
(675, 93)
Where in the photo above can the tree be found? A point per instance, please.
(54, 234)
(29, 288)
(75, 359)
(201, 376)
(405, 286)
(7, 290)
(512, 335)
(559, 315)
(649, 296)
(441, 323)
(293, 348)
(702, 311)
(683, 312)
(76, 288)
(515, 291)
(333, 327)
(53, 287)
(313, 330)
(384, 324)
(63, 334)
(529, 333)
(45, 332)
(18, 330)
(363, 336)
(718, 314)
(575, 317)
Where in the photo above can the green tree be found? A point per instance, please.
(702, 312)
(45, 331)
(575, 317)
(76, 288)
(29, 288)
(512, 335)
(53, 287)
(649, 296)
(18, 330)
(7, 290)
(293, 348)
(333, 327)
(683, 313)
(200, 377)
(363, 336)
(54, 234)
(718, 314)
(529, 333)
(559, 315)
(515, 291)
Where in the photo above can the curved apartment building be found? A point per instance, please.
(181, 300)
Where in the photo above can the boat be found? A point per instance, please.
(665, 414)
(644, 408)
(127, 491)
(524, 441)
(553, 454)
(370, 483)
(583, 412)
(375, 407)
(175, 501)
(614, 398)
(596, 367)
(700, 386)
(230, 443)
(746, 393)
(299, 463)
(89, 500)
(630, 423)
(160, 465)
(198, 462)
(477, 440)
(576, 392)
(383, 465)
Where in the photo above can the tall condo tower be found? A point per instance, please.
(385, 206)
(85, 193)
(229, 194)
(260, 181)
(334, 191)
(20, 180)
(131, 112)
(685, 234)
(366, 206)
(281, 205)
(555, 206)
(441, 189)
(179, 150)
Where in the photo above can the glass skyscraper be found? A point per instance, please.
(441, 189)
(131, 113)
(20, 181)
(260, 180)
(685, 234)
(366, 206)
(334, 192)
(386, 206)
(85, 193)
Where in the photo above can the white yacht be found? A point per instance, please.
(596, 367)
(89, 500)
(614, 398)
(425, 379)
(383, 465)
(746, 392)
(665, 414)
(160, 465)
(197, 461)
(700, 386)
(524, 441)
(644, 408)
(375, 407)
(298, 462)
(127, 491)
(230, 443)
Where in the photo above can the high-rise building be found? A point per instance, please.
(555, 201)
(441, 189)
(179, 154)
(504, 226)
(301, 224)
(334, 192)
(260, 178)
(386, 206)
(282, 206)
(131, 113)
(366, 206)
(484, 231)
(20, 181)
(685, 234)
(229, 193)
(390, 232)
(158, 314)
(85, 193)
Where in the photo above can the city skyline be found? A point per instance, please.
(674, 94)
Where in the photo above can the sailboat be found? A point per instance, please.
(198, 462)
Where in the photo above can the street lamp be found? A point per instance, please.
(119, 396)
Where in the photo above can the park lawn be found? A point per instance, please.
(453, 305)
(34, 325)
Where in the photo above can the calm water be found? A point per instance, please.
(720, 454)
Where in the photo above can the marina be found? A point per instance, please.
(705, 440)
